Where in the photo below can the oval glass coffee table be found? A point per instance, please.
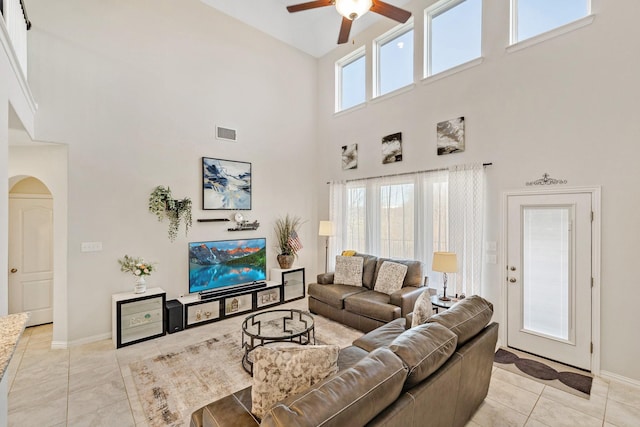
(285, 325)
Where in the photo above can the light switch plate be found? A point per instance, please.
(91, 247)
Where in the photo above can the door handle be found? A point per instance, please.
(512, 280)
(14, 270)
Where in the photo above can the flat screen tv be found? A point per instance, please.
(226, 263)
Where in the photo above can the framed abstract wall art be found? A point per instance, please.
(392, 148)
(451, 136)
(349, 156)
(226, 184)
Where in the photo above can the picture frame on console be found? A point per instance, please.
(226, 184)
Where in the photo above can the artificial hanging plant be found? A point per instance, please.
(163, 205)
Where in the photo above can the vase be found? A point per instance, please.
(141, 285)
(285, 261)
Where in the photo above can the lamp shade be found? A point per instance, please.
(353, 9)
(326, 228)
(445, 262)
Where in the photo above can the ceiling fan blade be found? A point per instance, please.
(309, 5)
(390, 11)
(345, 29)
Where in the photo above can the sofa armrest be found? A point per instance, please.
(231, 410)
(406, 298)
(325, 278)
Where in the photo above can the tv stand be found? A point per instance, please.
(212, 306)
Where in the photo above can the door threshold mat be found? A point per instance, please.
(544, 371)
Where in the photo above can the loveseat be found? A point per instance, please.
(361, 307)
(435, 374)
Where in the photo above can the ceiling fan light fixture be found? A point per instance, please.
(353, 9)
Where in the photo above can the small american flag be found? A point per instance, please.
(294, 241)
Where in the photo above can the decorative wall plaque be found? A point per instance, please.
(547, 180)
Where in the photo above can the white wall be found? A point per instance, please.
(135, 89)
(15, 97)
(566, 106)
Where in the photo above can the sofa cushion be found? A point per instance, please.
(414, 276)
(369, 264)
(280, 372)
(422, 309)
(390, 277)
(382, 336)
(349, 356)
(333, 295)
(424, 349)
(466, 318)
(352, 397)
(372, 304)
(348, 270)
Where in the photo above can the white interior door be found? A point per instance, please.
(549, 276)
(31, 257)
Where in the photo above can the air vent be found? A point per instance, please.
(226, 134)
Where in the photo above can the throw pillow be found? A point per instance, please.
(280, 372)
(348, 270)
(390, 277)
(348, 253)
(422, 310)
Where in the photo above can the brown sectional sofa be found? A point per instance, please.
(433, 375)
(361, 307)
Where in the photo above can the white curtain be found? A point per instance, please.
(412, 216)
(336, 215)
(466, 219)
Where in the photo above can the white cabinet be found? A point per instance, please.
(137, 317)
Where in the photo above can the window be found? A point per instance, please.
(355, 217)
(532, 17)
(350, 76)
(453, 34)
(401, 217)
(396, 220)
(394, 59)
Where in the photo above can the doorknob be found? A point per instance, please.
(14, 270)
(512, 268)
(512, 279)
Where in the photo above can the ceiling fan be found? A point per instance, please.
(352, 10)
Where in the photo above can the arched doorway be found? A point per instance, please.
(31, 250)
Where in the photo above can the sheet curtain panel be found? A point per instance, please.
(412, 216)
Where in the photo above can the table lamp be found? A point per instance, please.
(445, 262)
(326, 229)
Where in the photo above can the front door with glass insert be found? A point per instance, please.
(549, 276)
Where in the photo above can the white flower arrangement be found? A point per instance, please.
(135, 266)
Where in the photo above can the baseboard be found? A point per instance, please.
(58, 345)
(611, 376)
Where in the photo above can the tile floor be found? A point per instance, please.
(91, 385)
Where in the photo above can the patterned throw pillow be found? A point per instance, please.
(280, 372)
(422, 310)
(348, 270)
(390, 277)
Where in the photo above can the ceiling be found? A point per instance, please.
(312, 31)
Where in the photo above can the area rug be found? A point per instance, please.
(553, 374)
(173, 385)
